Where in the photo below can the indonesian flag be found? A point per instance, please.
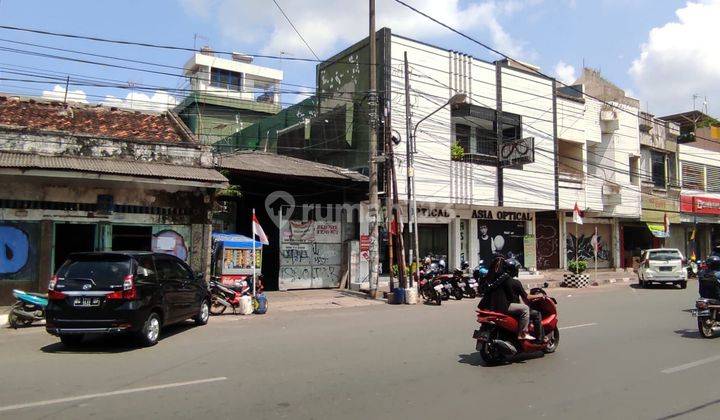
(577, 216)
(258, 231)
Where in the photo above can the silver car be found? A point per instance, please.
(662, 265)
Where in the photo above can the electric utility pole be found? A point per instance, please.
(409, 147)
(373, 210)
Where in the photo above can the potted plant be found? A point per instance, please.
(576, 278)
(457, 152)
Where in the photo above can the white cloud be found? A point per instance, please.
(329, 26)
(680, 59)
(58, 94)
(565, 72)
(159, 101)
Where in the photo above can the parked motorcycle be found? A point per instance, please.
(223, 297)
(692, 269)
(478, 278)
(707, 313)
(29, 308)
(430, 287)
(497, 336)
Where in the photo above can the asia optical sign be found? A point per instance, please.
(520, 216)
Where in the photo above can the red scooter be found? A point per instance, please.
(497, 337)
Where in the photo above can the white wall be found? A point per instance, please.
(438, 74)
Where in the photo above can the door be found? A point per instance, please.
(189, 296)
(171, 287)
(548, 243)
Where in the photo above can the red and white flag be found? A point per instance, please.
(577, 215)
(258, 231)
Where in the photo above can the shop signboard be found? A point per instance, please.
(700, 204)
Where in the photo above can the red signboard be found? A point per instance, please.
(699, 204)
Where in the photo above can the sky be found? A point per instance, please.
(661, 51)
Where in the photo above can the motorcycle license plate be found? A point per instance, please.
(438, 288)
(86, 301)
(461, 284)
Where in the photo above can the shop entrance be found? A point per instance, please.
(433, 239)
(548, 241)
(69, 238)
(635, 239)
(131, 238)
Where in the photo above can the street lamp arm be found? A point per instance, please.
(458, 98)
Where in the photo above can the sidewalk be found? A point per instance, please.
(300, 300)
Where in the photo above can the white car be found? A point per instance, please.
(662, 265)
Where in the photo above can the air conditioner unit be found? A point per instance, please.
(611, 194)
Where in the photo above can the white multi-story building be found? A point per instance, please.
(227, 95)
(598, 157)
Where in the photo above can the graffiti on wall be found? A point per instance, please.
(18, 255)
(310, 255)
(170, 242)
(584, 246)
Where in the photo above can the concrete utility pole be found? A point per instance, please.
(373, 210)
(410, 188)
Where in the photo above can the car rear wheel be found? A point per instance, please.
(73, 340)
(203, 315)
(150, 332)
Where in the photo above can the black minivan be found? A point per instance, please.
(123, 292)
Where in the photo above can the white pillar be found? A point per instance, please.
(562, 238)
(454, 242)
(473, 243)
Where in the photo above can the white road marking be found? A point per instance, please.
(108, 394)
(578, 326)
(691, 364)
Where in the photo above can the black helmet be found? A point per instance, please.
(512, 266)
(713, 262)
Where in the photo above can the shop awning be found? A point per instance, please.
(658, 230)
(235, 240)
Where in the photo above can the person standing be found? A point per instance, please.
(487, 247)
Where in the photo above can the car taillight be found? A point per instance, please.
(129, 292)
(683, 261)
(55, 295)
(52, 293)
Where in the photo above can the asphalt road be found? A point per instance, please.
(624, 353)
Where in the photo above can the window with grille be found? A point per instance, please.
(658, 168)
(693, 176)
(462, 136)
(713, 178)
(476, 131)
(226, 79)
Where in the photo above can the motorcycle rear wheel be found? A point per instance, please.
(705, 327)
(490, 356)
(217, 308)
(458, 294)
(553, 343)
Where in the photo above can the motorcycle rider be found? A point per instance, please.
(709, 279)
(503, 295)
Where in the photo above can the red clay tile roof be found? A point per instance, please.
(93, 120)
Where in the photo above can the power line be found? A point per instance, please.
(296, 30)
